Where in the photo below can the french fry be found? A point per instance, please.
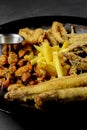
(57, 64)
(39, 48)
(56, 48)
(34, 60)
(47, 51)
(65, 44)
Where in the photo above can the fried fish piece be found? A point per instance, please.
(68, 94)
(32, 36)
(29, 92)
(51, 38)
(78, 63)
(77, 39)
(59, 32)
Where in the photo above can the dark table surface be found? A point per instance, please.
(17, 9)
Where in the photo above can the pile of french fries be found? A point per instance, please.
(50, 58)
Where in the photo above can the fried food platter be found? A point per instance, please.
(51, 98)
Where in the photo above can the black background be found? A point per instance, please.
(16, 9)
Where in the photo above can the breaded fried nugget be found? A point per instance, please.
(26, 68)
(12, 57)
(3, 59)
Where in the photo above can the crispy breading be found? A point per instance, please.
(59, 32)
(66, 95)
(76, 40)
(12, 57)
(26, 68)
(29, 92)
(32, 36)
(3, 60)
(50, 37)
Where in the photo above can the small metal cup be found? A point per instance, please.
(10, 39)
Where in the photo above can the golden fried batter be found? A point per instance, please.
(12, 57)
(3, 59)
(59, 32)
(26, 93)
(51, 38)
(26, 68)
(32, 36)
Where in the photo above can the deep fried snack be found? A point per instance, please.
(32, 36)
(59, 32)
(26, 68)
(3, 60)
(24, 50)
(5, 77)
(77, 39)
(77, 62)
(12, 57)
(68, 94)
(51, 38)
(29, 92)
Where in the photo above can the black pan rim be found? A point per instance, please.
(45, 16)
